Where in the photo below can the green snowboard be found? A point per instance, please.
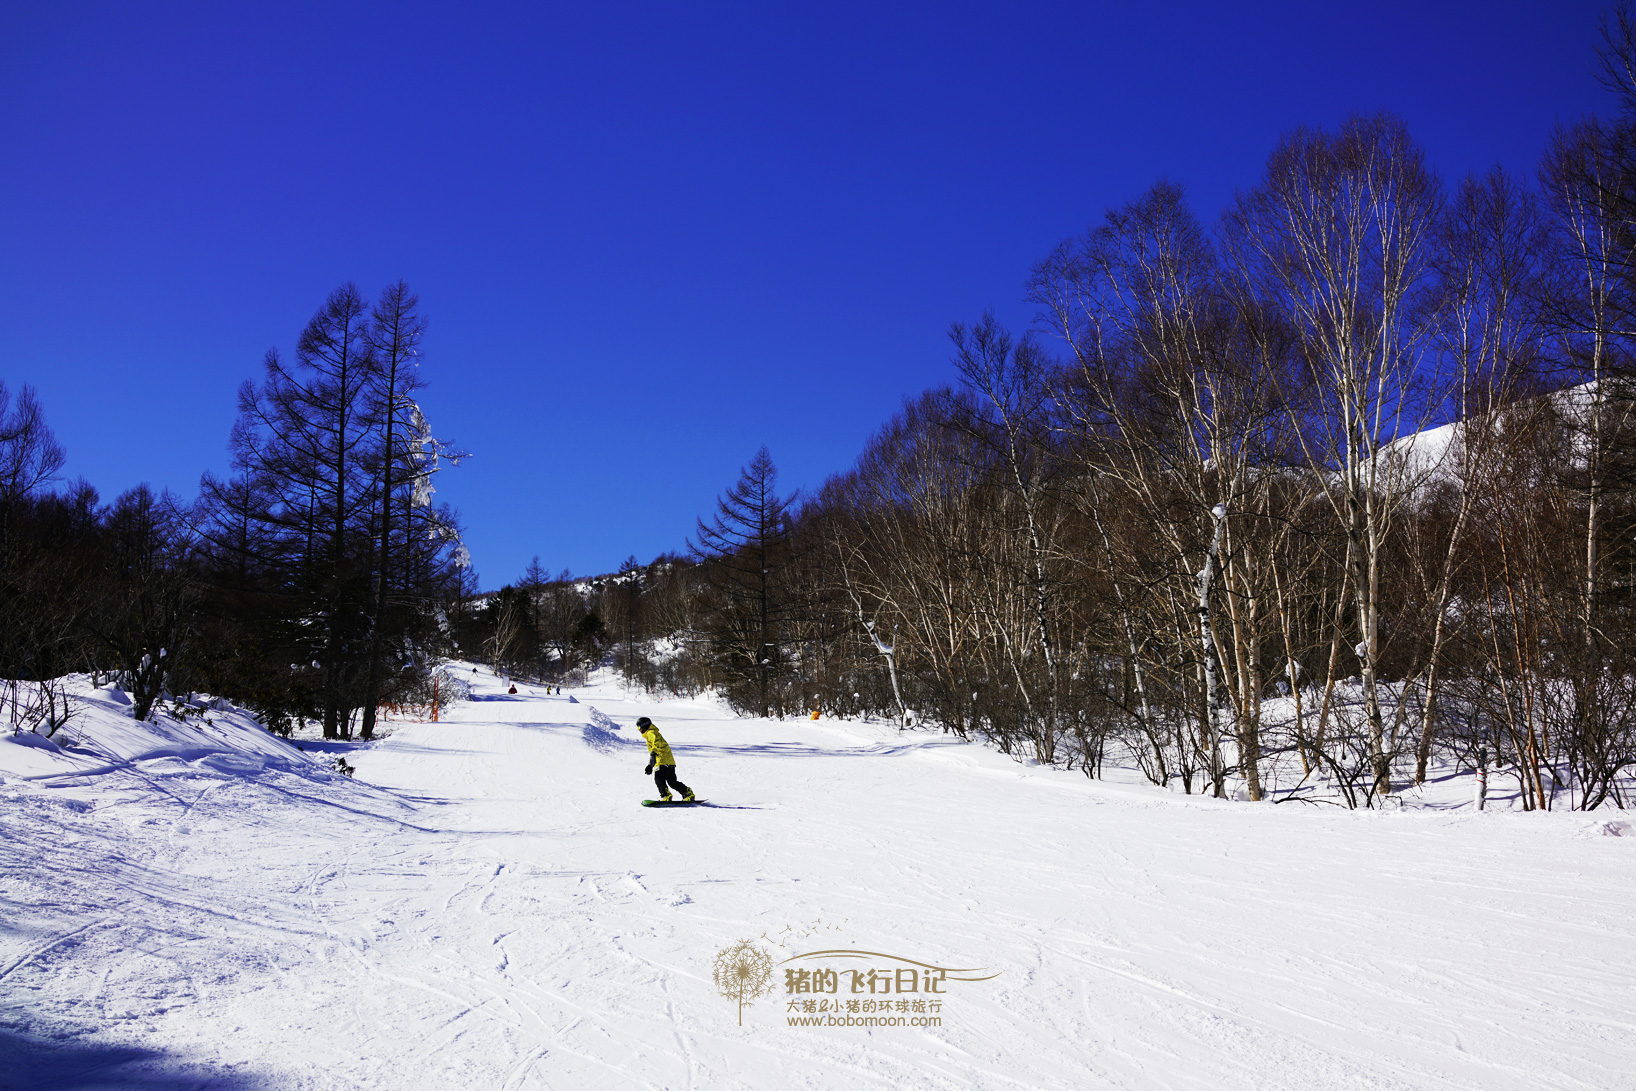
(670, 802)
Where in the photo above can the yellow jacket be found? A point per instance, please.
(658, 747)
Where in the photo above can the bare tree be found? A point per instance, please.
(30, 456)
(1174, 402)
(1336, 237)
(1487, 261)
(1011, 379)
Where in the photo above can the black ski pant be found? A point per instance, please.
(666, 775)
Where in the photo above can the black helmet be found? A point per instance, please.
(643, 723)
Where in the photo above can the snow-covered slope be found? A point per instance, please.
(1433, 457)
(487, 906)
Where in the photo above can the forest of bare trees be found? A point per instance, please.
(1318, 503)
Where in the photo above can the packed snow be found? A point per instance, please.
(195, 903)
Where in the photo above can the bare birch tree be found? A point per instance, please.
(1336, 237)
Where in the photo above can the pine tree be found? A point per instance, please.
(394, 336)
(743, 550)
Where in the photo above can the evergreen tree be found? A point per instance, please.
(744, 549)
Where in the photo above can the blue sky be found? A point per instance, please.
(649, 238)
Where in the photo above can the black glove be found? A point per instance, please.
(649, 770)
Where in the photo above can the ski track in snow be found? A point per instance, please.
(486, 906)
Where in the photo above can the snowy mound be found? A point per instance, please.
(102, 738)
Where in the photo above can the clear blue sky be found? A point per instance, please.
(649, 238)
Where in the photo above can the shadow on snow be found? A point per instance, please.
(43, 1065)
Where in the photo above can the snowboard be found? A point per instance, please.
(671, 803)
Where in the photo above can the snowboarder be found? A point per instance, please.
(661, 762)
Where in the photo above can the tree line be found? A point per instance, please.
(1336, 492)
(315, 580)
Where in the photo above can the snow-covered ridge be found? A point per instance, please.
(1433, 456)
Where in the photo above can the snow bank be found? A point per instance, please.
(103, 738)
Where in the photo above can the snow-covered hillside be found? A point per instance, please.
(487, 906)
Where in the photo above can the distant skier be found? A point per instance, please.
(661, 762)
